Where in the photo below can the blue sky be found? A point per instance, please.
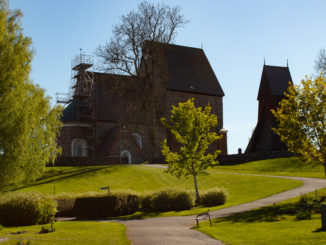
(236, 37)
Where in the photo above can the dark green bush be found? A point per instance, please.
(1, 227)
(146, 202)
(66, 207)
(214, 197)
(167, 200)
(303, 214)
(98, 207)
(20, 209)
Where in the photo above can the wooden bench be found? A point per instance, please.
(203, 216)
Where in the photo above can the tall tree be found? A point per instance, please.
(192, 129)
(28, 124)
(132, 51)
(302, 120)
(320, 62)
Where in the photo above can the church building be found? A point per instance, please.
(97, 129)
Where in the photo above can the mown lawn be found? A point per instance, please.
(286, 231)
(142, 179)
(70, 232)
(281, 166)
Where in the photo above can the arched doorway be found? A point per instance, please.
(127, 155)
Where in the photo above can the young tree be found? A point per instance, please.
(28, 124)
(302, 120)
(192, 129)
(126, 54)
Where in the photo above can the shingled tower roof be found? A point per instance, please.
(189, 69)
(276, 78)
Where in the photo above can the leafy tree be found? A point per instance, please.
(302, 119)
(192, 129)
(28, 124)
(132, 51)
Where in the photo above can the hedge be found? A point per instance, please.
(214, 197)
(20, 209)
(98, 207)
(167, 200)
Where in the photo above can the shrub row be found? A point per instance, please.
(214, 197)
(19, 209)
(98, 207)
(167, 200)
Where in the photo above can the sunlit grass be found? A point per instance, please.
(70, 232)
(281, 166)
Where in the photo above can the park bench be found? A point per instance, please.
(203, 216)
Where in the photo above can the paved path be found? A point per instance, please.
(178, 230)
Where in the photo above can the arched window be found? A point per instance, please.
(79, 148)
(127, 155)
(138, 140)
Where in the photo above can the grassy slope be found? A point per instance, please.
(70, 232)
(286, 231)
(280, 166)
(138, 178)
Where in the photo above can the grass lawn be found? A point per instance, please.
(142, 179)
(72, 181)
(237, 231)
(70, 232)
(281, 166)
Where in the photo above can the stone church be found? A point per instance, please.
(95, 129)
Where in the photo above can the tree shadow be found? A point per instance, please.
(265, 214)
(55, 175)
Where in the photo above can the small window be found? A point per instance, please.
(79, 148)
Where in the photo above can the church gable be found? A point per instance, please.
(274, 79)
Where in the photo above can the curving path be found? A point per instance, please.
(178, 230)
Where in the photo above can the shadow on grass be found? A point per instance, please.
(265, 214)
(55, 175)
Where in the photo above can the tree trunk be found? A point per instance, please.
(196, 189)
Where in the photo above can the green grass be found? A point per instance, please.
(281, 166)
(268, 225)
(287, 230)
(72, 181)
(142, 179)
(70, 232)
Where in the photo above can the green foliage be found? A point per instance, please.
(303, 214)
(192, 129)
(28, 124)
(167, 200)
(214, 197)
(302, 116)
(99, 206)
(19, 209)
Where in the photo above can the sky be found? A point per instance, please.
(236, 36)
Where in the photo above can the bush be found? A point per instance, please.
(20, 209)
(66, 207)
(303, 214)
(98, 206)
(1, 227)
(214, 197)
(167, 200)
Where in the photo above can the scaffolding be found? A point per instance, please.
(81, 95)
